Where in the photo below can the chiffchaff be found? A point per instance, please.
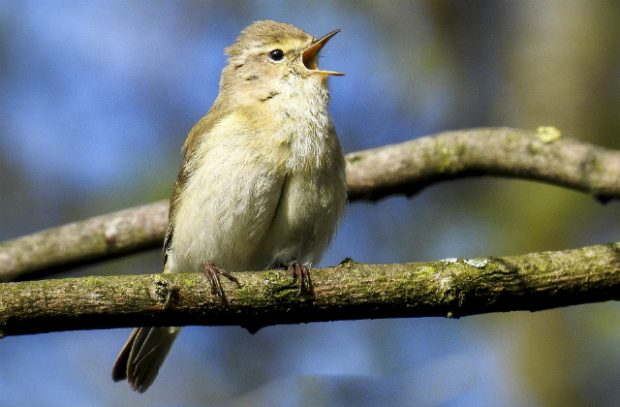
(262, 182)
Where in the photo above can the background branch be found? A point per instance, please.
(404, 168)
(542, 155)
(450, 288)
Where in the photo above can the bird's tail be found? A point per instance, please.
(143, 354)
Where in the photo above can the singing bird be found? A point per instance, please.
(262, 184)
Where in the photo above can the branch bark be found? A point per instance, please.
(404, 168)
(92, 240)
(450, 288)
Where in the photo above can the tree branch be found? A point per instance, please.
(449, 288)
(404, 168)
(92, 240)
(541, 155)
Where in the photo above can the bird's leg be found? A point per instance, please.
(213, 273)
(301, 273)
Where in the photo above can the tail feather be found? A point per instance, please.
(143, 354)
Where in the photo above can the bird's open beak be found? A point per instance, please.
(310, 56)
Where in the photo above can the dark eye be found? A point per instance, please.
(276, 55)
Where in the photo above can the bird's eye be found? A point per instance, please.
(276, 55)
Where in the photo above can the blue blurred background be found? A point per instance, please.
(96, 99)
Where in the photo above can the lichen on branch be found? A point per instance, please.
(449, 288)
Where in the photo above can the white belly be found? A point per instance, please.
(258, 217)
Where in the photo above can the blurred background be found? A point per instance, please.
(96, 99)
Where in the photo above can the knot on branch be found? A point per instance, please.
(164, 293)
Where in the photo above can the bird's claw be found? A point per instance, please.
(302, 274)
(213, 273)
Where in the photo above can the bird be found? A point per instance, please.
(262, 182)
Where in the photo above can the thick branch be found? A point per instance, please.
(372, 174)
(449, 288)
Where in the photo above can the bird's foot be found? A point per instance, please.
(213, 273)
(301, 276)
